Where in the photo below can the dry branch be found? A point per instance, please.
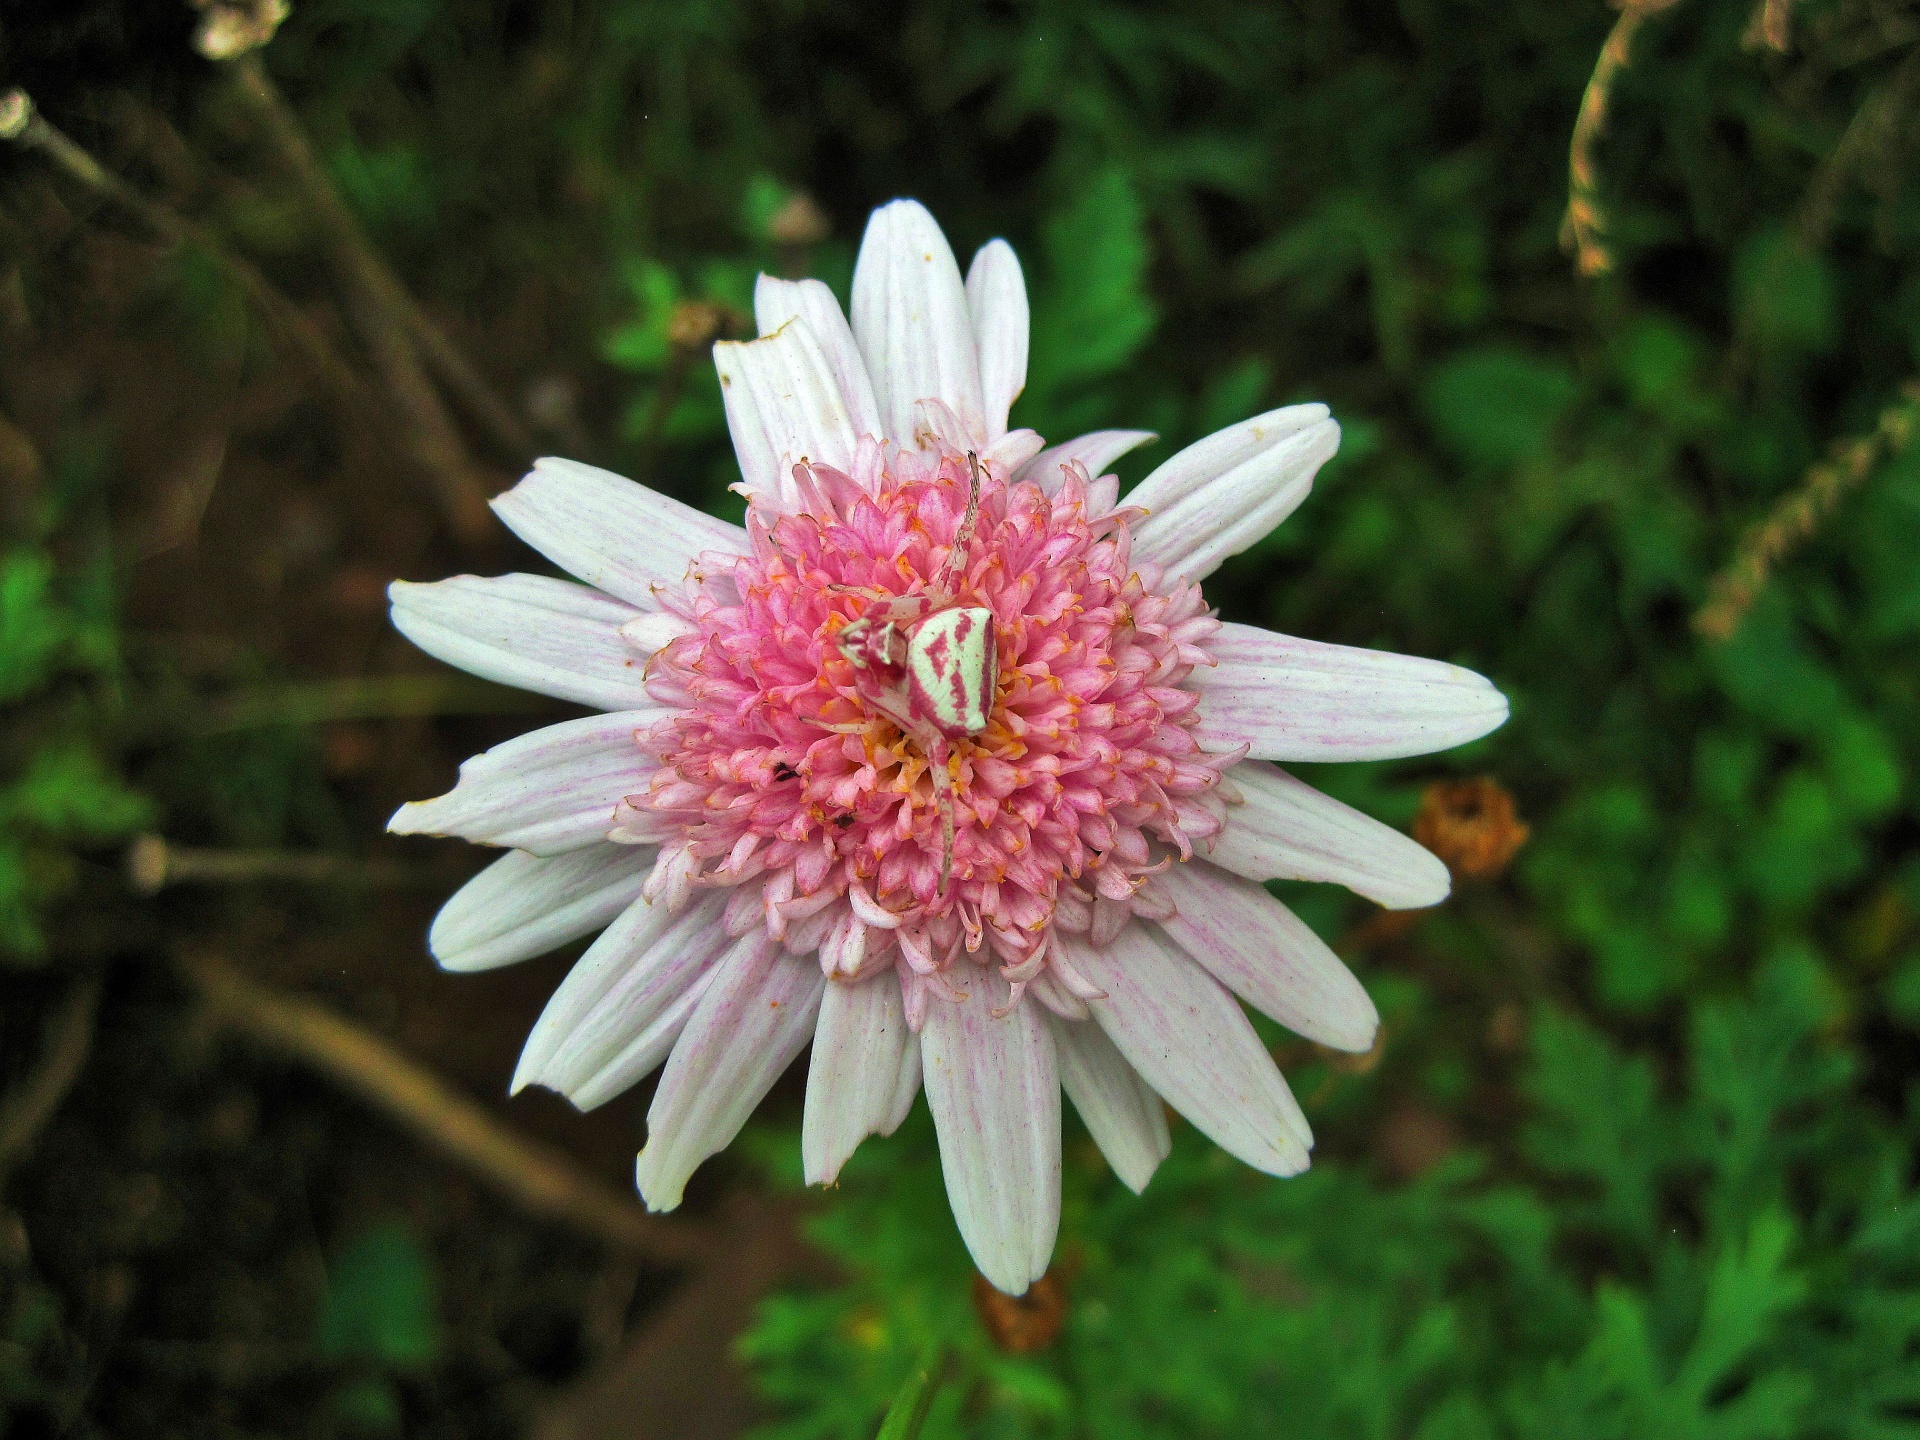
(25, 126)
(382, 311)
(540, 1181)
(26, 1110)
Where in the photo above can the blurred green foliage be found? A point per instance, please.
(59, 786)
(379, 1314)
(1730, 1252)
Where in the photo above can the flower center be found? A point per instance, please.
(948, 701)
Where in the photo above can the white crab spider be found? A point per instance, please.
(930, 665)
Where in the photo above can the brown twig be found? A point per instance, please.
(22, 477)
(540, 1181)
(469, 387)
(448, 362)
(26, 1111)
(25, 126)
(1584, 230)
(381, 309)
(1731, 593)
(153, 864)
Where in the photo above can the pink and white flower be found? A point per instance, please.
(941, 763)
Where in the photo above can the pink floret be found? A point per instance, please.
(778, 778)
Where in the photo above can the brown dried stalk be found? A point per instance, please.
(154, 863)
(21, 123)
(380, 308)
(1731, 593)
(27, 1109)
(1584, 230)
(540, 1181)
(468, 388)
(1869, 141)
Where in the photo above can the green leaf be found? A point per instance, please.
(388, 185)
(1597, 1120)
(907, 1415)
(1497, 406)
(33, 630)
(1093, 312)
(67, 790)
(1784, 294)
(380, 1302)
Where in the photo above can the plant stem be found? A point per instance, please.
(538, 1180)
(35, 132)
(26, 1111)
(1583, 231)
(153, 864)
(380, 308)
(1731, 593)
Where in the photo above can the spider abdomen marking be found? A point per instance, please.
(953, 668)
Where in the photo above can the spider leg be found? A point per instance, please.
(935, 745)
(957, 556)
(946, 841)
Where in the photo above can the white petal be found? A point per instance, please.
(1266, 955)
(1190, 1040)
(1287, 830)
(548, 791)
(994, 1089)
(777, 301)
(524, 905)
(1205, 461)
(1121, 1112)
(543, 635)
(910, 319)
(755, 1017)
(1010, 453)
(1189, 536)
(612, 532)
(859, 1047)
(649, 633)
(784, 405)
(644, 1052)
(625, 982)
(997, 303)
(1291, 699)
(906, 1088)
(1096, 451)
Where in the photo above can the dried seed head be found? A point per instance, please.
(695, 323)
(228, 29)
(15, 111)
(799, 221)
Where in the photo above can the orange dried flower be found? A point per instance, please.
(1470, 824)
(1022, 1324)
